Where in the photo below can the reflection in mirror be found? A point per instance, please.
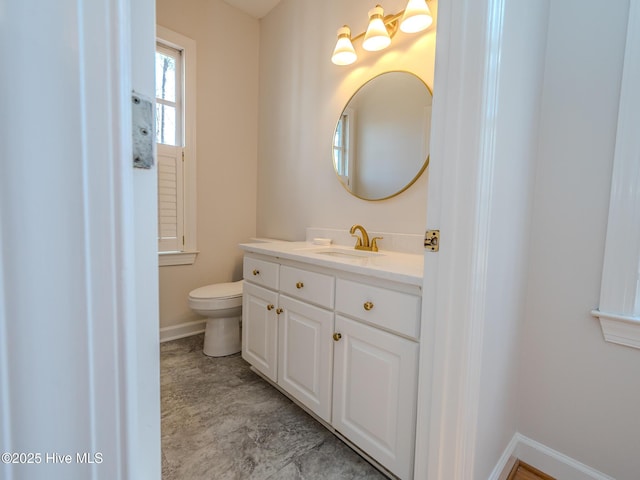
(381, 140)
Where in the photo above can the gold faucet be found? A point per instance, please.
(362, 242)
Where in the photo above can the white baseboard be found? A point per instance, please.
(506, 462)
(545, 459)
(554, 463)
(183, 330)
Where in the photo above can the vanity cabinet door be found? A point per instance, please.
(374, 393)
(305, 358)
(260, 329)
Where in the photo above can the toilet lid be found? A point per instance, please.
(218, 290)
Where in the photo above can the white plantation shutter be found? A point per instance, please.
(170, 199)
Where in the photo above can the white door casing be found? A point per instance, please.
(79, 317)
(474, 171)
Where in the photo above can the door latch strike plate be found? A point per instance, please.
(432, 240)
(143, 134)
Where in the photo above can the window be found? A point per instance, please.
(342, 147)
(175, 135)
(619, 310)
(168, 95)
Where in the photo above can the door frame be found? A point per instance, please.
(466, 86)
(90, 357)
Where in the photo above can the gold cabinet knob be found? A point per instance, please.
(270, 307)
(256, 272)
(299, 285)
(337, 336)
(279, 311)
(368, 306)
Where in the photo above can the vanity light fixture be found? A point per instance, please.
(416, 17)
(377, 37)
(344, 53)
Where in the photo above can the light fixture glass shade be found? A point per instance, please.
(416, 18)
(344, 53)
(377, 36)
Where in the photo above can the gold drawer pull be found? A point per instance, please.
(299, 285)
(337, 336)
(279, 311)
(270, 307)
(256, 272)
(368, 306)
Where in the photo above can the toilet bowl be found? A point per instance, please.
(221, 303)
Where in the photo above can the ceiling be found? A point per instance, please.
(255, 8)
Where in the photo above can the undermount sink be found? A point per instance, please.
(344, 253)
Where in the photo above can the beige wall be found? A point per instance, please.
(227, 125)
(579, 394)
(289, 182)
(301, 96)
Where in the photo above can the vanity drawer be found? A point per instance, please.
(260, 272)
(395, 311)
(309, 286)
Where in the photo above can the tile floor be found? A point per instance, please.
(222, 421)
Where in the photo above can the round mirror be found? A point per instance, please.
(381, 140)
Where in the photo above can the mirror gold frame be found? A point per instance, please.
(390, 116)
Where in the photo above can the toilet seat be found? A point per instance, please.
(217, 296)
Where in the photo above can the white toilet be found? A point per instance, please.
(221, 303)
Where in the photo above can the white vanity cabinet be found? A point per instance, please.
(286, 339)
(305, 353)
(375, 375)
(305, 326)
(259, 318)
(344, 346)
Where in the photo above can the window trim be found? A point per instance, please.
(175, 40)
(619, 310)
(167, 259)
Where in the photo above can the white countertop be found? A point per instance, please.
(400, 267)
